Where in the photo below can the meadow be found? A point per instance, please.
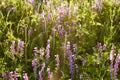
(59, 39)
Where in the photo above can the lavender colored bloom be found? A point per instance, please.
(35, 66)
(25, 76)
(57, 60)
(99, 46)
(34, 62)
(15, 75)
(12, 47)
(20, 47)
(112, 53)
(116, 65)
(71, 60)
(111, 61)
(97, 6)
(30, 31)
(49, 73)
(4, 75)
(10, 75)
(35, 52)
(48, 50)
(50, 17)
(41, 71)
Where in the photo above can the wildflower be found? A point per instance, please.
(10, 75)
(35, 51)
(112, 53)
(12, 47)
(49, 73)
(30, 31)
(25, 76)
(4, 75)
(41, 71)
(57, 60)
(97, 6)
(48, 50)
(99, 46)
(111, 60)
(116, 65)
(71, 61)
(35, 66)
(15, 75)
(20, 47)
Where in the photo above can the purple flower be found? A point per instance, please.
(50, 74)
(15, 75)
(4, 75)
(20, 47)
(41, 71)
(12, 47)
(25, 76)
(35, 52)
(30, 31)
(97, 6)
(112, 52)
(10, 75)
(57, 60)
(116, 65)
(71, 60)
(35, 66)
(111, 61)
(48, 50)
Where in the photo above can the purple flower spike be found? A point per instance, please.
(30, 31)
(25, 76)
(116, 65)
(35, 51)
(48, 50)
(71, 60)
(49, 73)
(12, 47)
(20, 47)
(41, 71)
(111, 61)
(57, 60)
(35, 67)
(4, 75)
